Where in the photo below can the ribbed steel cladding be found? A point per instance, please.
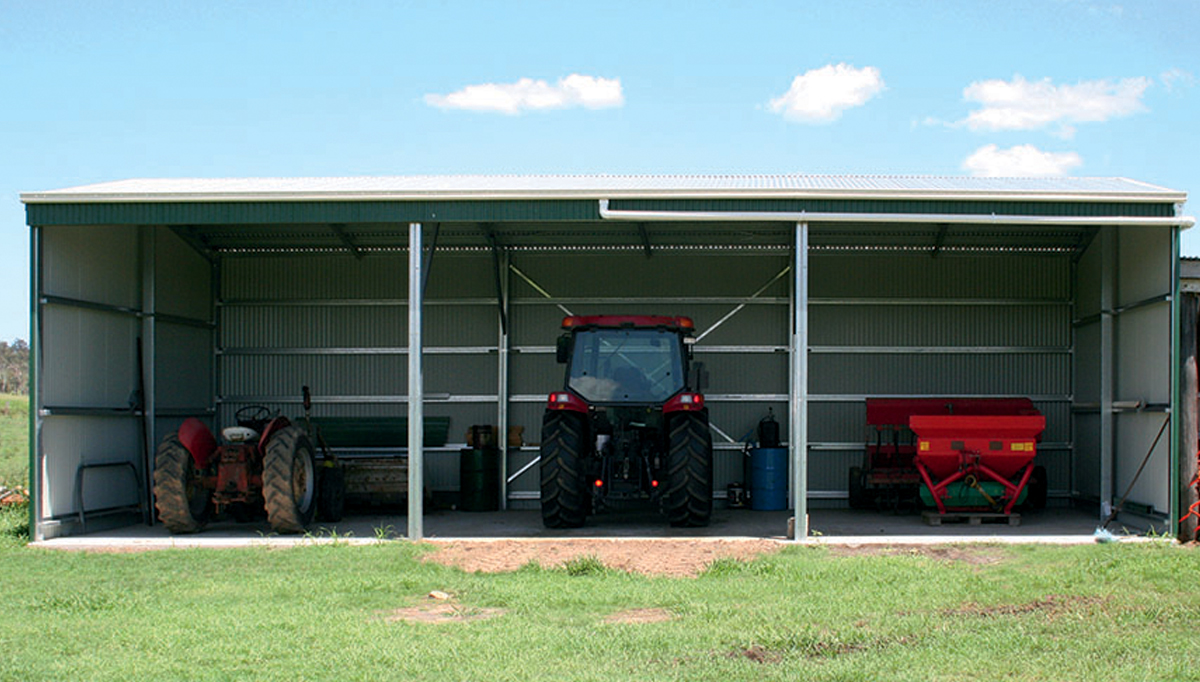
(1003, 277)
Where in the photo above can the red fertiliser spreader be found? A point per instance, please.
(964, 454)
(977, 462)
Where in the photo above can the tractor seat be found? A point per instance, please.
(239, 434)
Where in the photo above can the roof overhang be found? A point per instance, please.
(594, 187)
(648, 213)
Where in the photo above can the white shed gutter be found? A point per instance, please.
(606, 213)
(798, 365)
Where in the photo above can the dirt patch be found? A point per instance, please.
(757, 654)
(650, 557)
(1053, 605)
(13, 496)
(640, 616)
(976, 555)
(439, 608)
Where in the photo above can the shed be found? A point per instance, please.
(154, 300)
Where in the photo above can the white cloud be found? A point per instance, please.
(821, 95)
(1177, 78)
(530, 95)
(1024, 105)
(1020, 161)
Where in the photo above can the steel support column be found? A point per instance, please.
(149, 246)
(503, 281)
(1108, 287)
(416, 388)
(798, 390)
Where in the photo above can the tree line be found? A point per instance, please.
(14, 367)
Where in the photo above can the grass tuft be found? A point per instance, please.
(586, 565)
(14, 523)
(14, 441)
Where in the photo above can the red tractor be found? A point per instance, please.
(628, 429)
(267, 463)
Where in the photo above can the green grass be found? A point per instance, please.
(1099, 612)
(326, 612)
(14, 440)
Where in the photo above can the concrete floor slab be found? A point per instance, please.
(828, 527)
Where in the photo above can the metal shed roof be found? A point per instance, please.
(610, 186)
(367, 214)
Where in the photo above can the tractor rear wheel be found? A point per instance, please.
(289, 480)
(179, 494)
(689, 470)
(564, 488)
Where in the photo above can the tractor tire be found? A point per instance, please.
(564, 483)
(331, 496)
(858, 492)
(689, 499)
(290, 481)
(179, 495)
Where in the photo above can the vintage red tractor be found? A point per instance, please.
(266, 463)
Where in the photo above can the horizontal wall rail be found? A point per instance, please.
(125, 310)
(859, 397)
(941, 350)
(939, 301)
(73, 411)
(91, 305)
(445, 350)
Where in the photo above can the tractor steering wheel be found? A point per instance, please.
(254, 416)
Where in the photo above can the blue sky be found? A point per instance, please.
(95, 91)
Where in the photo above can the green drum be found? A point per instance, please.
(479, 479)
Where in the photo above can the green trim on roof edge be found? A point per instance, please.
(325, 212)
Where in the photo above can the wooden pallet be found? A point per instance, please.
(933, 518)
(376, 480)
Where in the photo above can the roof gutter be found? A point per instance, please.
(818, 217)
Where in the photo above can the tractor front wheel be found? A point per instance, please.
(564, 488)
(689, 470)
(179, 493)
(289, 480)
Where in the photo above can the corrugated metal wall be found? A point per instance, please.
(882, 324)
(340, 326)
(922, 326)
(1123, 281)
(280, 330)
(89, 362)
(101, 291)
(183, 334)
(1143, 340)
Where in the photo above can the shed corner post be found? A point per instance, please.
(1182, 413)
(35, 383)
(416, 391)
(1187, 462)
(798, 393)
